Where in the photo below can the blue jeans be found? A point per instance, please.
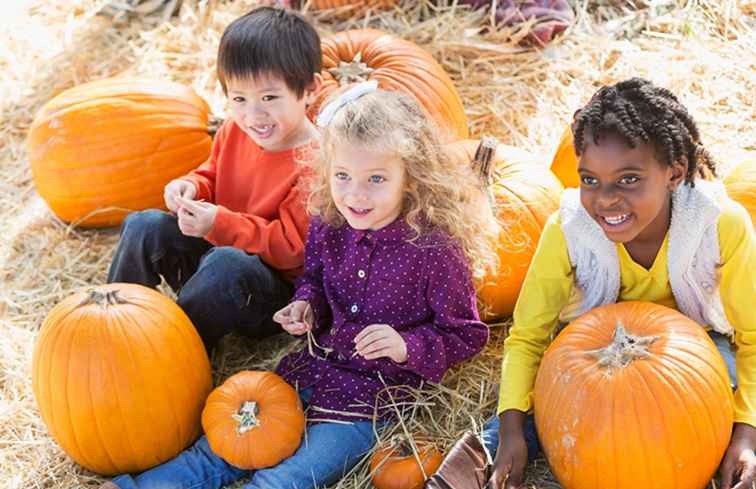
(219, 288)
(328, 451)
(490, 433)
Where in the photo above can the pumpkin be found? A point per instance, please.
(368, 54)
(741, 186)
(526, 193)
(633, 395)
(120, 376)
(254, 420)
(565, 162)
(102, 149)
(396, 466)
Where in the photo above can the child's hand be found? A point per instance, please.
(380, 340)
(512, 453)
(195, 218)
(178, 188)
(739, 459)
(296, 318)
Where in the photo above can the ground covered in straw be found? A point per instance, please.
(704, 50)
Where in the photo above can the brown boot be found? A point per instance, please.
(465, 467)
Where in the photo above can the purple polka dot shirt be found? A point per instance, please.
(353, 279)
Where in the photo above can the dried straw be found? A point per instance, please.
(704, 50)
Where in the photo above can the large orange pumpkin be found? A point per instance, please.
(741, 186)
(115, 143)
(565, 162)
(526, 194)
(254, 420)
(120, 376)
(396, 466)
(633, 395)
(396, 64)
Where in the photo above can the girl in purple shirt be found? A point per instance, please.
(387, 296)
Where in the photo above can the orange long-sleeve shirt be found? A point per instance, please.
(260, 207)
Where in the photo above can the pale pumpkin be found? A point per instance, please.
(115, 143)
(633, 395)
(565, 162)
(396, 466)
(120, 376)
(254, 420)
(526, 193)
(396, 64)
(741, 186)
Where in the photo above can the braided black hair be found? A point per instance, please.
(640, 112)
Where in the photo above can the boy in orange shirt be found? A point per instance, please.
(234, 239)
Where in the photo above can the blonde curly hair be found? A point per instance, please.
(439, 193)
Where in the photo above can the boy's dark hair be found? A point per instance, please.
(270, 40)
(640, 112)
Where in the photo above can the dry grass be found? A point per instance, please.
(703, 50)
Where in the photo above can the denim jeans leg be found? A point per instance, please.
(724, 346)
(490, 436)
(232, 289)
(328, 452)
(196, 467)
(152, 245)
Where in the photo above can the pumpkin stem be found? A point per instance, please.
(351, 72)
(213, 124)
(483, 158)
(246, 417)
(109, 298)
(623, 349)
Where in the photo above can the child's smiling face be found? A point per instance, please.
(269, 112)
(627, 190)
(367, 186)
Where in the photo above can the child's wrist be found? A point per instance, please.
(512, 422)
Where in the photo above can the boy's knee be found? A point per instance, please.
(148, 222)
(225, 260)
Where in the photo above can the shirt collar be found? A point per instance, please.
(397, 231)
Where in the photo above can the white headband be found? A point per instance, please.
(355, 92)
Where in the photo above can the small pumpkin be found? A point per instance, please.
(396, 64)
(526, 194)
(565, 162)
(115, 143)
(633, 395)
(120, 376)
(741, 186)
(396, 466)
(254, 420)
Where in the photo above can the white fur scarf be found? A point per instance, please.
(693, 255)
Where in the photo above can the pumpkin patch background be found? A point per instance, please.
(705, 51)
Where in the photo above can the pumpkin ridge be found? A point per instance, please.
(96, 420)
(642, 371)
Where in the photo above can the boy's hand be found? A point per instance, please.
(512, 453)
(297, 318)
(380, 340)
(195, 218)
(739, 459)
(178, 188)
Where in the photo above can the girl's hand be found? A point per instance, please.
(380, 340)
(178, 188)
(297, 318)
(739, 459)
(512, 453)
(195, 218)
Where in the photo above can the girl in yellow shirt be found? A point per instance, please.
(639, 152)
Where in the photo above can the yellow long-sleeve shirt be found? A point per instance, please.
(549, 280)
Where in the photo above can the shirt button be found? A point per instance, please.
(354, 308)
(361, 273)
